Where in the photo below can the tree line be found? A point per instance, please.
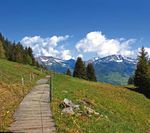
(141, 78)
(16, 52)
(83, 72)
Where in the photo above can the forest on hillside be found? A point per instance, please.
(15, 52)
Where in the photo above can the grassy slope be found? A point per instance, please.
(11, 90)
(123, 111)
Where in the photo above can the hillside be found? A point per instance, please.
(12, 89)
(120, 110)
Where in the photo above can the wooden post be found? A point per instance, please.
(22, 81)
(50, 92)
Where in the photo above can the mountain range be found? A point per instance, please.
(56, 64)
(114, 69)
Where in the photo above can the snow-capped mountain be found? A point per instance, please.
(115, 58)
(114, 69)
(56, 64)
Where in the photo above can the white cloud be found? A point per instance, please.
(56, 39)
(65, 54)
(93, 43)
(47, 46)
(97, 42)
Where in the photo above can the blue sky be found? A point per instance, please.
(111, 19)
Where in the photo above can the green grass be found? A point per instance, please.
(11, 89)
(116, 78)
(122, 110)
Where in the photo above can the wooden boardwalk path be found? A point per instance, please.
(33, 114)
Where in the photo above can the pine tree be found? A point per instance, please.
(26, 58)
(30, 53)
(8, 51)
(68, 72)
(142, 78)
(90, 72)
(131, 80)
(2, 40)
(148, 89)
(79, 70)
(12, 54)
(2, 51)
(19, 51)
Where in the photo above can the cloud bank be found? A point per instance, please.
(98, 43)
(47, 46)
(94, 43)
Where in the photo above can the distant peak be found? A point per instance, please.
(114, 58)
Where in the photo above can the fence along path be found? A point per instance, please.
(33, 113)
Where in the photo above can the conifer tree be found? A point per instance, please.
(131, 80)
(147, 92)
(2, 51)
(68, 72)
(12, 55)
(6, 45)
(26, 58)
(19, 51)
(30, 53)
(142, 78)
(90, 72)
(79, 70)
